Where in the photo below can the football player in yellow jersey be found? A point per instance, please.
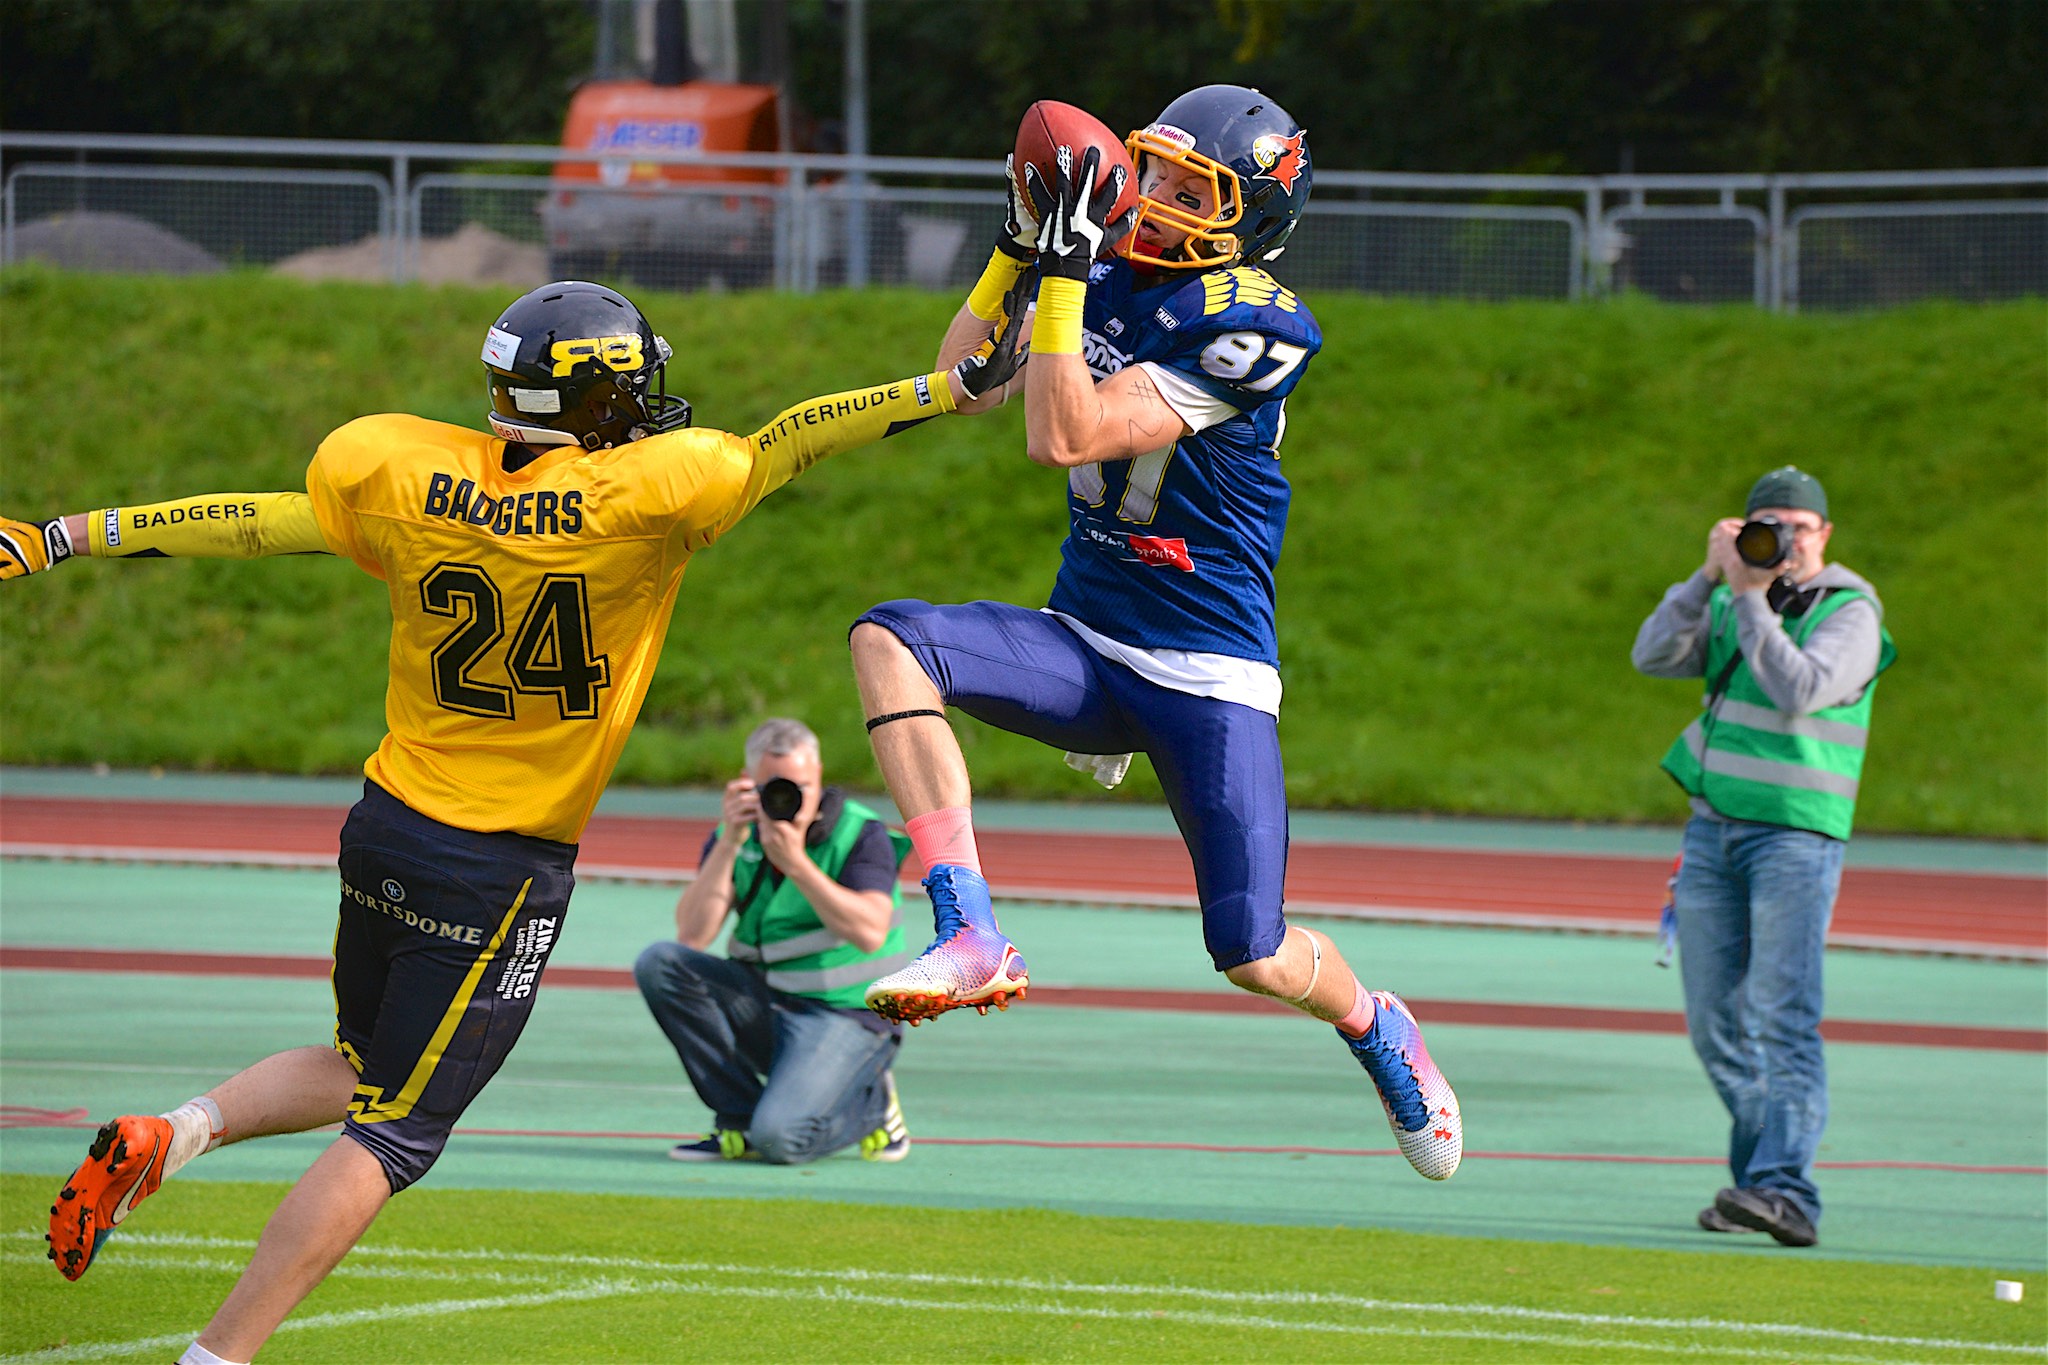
(531, 573)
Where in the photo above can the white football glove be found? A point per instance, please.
(1019, 238)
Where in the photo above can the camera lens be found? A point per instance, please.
(781, 798)
(1763, 543)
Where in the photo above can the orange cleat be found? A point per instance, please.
(123, 1167)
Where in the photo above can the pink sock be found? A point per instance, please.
(945, 836)
(1359, 1022)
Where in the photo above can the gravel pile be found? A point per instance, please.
(472, 255)
(110, 241)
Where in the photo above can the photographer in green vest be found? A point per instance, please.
(1790, 647)
(774, 1035)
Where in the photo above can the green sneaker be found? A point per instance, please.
(890, 1142)
(724, 1144)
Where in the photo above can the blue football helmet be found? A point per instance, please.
(1255, 159)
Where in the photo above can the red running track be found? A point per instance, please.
(1931, 910)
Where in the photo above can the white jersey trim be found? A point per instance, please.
(1198, 407)
(1222, 676)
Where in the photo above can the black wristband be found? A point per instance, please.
(1012, 248)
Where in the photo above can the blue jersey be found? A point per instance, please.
(1176, 549)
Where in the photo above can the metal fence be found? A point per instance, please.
(420, 211)
(1865, 255)
(192, 218)
(1691, 253)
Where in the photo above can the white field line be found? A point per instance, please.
(840, 1296)
(433, 1308)
(1267, 1297)
(203, 1266)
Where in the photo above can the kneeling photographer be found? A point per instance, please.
(774, 1035)
(1790, 647)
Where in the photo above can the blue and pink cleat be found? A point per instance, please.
(969, 962)
(1421, 1107)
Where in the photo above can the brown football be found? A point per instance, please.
(1048, 125)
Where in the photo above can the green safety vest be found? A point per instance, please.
(780, 932)
(1751, 761)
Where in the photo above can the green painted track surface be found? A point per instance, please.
(592, 1062)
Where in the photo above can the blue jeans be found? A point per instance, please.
(801, 1081)
(1753, 904)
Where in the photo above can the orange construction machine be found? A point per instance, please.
(663, 83)
(671, 226)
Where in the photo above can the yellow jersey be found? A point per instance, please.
(527, 606)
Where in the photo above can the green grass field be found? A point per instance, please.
(461, 1275)
(1487, 501)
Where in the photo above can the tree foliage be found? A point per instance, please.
(1574, 86)
(431, 70)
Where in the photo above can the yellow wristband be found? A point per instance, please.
(985, 300)
(1058, 329)
(941, 390)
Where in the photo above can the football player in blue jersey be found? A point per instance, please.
(1157, 377)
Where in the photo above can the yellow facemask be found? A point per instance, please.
(1210, 240)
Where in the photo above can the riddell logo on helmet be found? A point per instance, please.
(1280, 158)
(1179, 137)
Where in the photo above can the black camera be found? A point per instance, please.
(1764, 543)
(781, 799)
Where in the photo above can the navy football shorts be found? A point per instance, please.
(1218, 761)
(437, 957)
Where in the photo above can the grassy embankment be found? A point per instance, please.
(1487, 501)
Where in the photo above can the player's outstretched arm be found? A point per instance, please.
(206, 526)
(800, 436)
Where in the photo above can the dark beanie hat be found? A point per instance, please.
(1788, 486)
